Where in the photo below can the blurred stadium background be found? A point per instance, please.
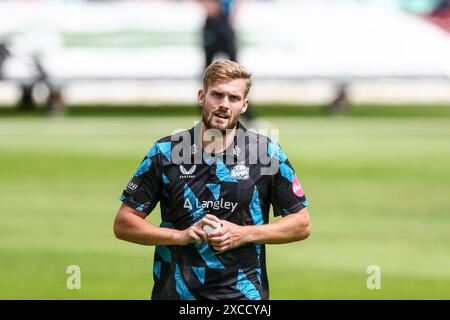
(360, 91)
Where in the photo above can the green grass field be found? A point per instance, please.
(378, 190)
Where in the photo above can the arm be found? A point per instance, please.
(290, 228)
(130, 225)
(293, 227)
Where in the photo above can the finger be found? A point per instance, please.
(193, 235)
(220, 244)
(202, 234)
(218, 233)
(226, 243)
(198, 228)
(218, 239)
(209, 221)
(222, 247)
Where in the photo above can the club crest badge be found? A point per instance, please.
(240, 172)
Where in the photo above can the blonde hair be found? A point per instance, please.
(226, 69)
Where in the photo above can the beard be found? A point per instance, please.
(229, 123)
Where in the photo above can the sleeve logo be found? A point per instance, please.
(132, 186)
(297, 188)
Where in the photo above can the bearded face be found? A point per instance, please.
(223, 104)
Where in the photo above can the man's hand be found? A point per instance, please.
(228, 237)
(290, 228)
(195, 232)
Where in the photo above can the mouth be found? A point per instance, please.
(221, 116)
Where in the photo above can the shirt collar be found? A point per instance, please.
(233, 148)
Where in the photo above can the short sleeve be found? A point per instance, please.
(143, 191)
(287, 194)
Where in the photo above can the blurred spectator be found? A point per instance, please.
(4, 53)
(218, 31)
(340, 103)
(219, 35)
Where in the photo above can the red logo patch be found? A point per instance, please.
(297, 188)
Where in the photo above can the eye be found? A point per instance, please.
(235, 98)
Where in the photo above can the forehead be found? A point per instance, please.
(233, 86)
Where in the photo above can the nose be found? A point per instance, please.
(225, 102)
(224, 108)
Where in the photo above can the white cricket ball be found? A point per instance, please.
(209, 229)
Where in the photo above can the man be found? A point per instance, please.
(217, 184)
(219, 36)
(4, 54)
(218, 33)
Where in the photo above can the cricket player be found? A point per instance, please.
(215, 184)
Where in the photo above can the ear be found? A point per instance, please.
(201, 97)
(245, 106)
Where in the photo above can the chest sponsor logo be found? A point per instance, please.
(186, 174)
(210, 204)
(240, 172)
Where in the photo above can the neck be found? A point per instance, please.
(213, 142)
